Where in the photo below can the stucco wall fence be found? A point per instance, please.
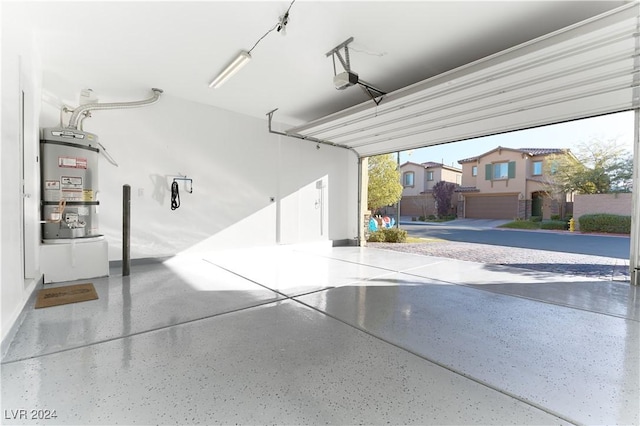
(618, 203)
(418, 205)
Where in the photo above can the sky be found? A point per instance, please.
(618, 127)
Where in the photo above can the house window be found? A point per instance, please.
(474, 171)
(537, 168)
(429, 175)
(500, 170)
(408, 179)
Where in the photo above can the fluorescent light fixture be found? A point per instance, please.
(231, 69)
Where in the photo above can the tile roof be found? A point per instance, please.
(467, 189)
(429, 164)
(530, 151)
(432, 164)
(468, 160)
(406, 163)
(542, 151)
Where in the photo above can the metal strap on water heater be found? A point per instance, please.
(72, 203)
(71, 144)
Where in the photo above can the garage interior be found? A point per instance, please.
(251, 303)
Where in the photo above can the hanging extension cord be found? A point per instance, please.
(175, 196)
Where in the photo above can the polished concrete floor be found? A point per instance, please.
(321, 335)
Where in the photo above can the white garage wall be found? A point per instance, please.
(236, 167)
(310, 213)
(20, 73)
(235, 164)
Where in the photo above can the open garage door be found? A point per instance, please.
(588, 69)
(491, 207)
(581, 71)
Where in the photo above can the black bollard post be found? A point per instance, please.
(126, 229)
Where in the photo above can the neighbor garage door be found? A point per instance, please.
(497, 207)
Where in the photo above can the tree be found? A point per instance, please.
(443, 193)
(596, 167)
(384, 182)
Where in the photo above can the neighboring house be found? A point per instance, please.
(507, 183)
(417, 185)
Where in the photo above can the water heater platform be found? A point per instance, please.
(74, 259)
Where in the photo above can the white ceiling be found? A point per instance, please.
(122, 49)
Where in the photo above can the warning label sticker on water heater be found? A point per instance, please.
(72, 162)
(72, 195)
(71, 182)
(52, 184)
(52, 191)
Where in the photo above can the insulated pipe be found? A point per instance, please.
(73, 121)
(86, 115)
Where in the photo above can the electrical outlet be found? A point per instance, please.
(140, 192)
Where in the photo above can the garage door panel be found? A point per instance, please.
(585, 70)
(493, 207)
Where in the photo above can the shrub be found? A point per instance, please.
(555, 217)
(536, 219)
(554, 224)
(388, 235)
(422, 218)
(394, 235)
(376, 237)
(431, 217)
(603, 222)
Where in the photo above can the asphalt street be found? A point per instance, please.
(565, 242)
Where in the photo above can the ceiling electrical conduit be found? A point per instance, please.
(77, 112)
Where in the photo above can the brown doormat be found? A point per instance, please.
(67, 294)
